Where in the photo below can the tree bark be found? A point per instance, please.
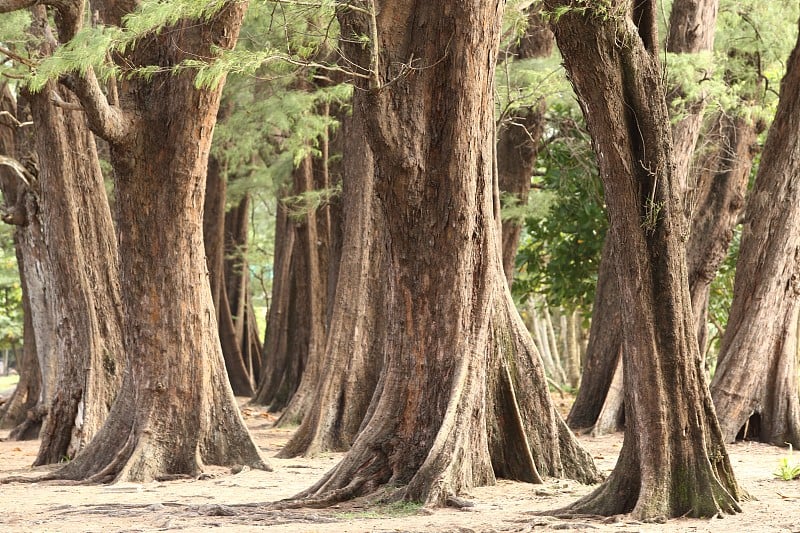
(456, 355)
(692, 27)
(719, 198)
(673, 461)
(757, 366)
(20, 411)
(352, 360)
(175, 411)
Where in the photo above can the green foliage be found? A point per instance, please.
(788, 467)
(560, 249)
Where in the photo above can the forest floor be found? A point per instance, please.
(238, 502)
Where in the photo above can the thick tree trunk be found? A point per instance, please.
(19, 411)
(21, 191)
(84, 289)
(692, 26)
(673, 461)
(757, 366)
(175, 411)
(519, 137)
(455, 350)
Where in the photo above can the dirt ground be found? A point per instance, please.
(238, 502)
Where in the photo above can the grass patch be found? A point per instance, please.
(384, 510)
(7, 382)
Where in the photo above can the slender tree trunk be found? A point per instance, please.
(352, 359)
(447, 408)
(722, 179)
(283, 367)
(175, 411)
(757, 366)
(673, 461)
(603, 349)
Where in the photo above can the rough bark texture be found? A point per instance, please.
(84, 290)
(603, 350)
(19, 412)
(519, 138)
(455, 350)
(757, 365)
(352, 360)
(673, 461)
(692, 26)
(718, 201)
(175, 411)
(297, 322)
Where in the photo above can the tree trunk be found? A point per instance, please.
(175, 411)
(673, 461)
(603, 350)
(301, 308)
(692, 26)
(457, 356)
(283, 366)
(352, 359)
(519, 137)
(757, 366)
(722, 180)
(83, 292)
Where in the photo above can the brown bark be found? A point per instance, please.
(84, 290)
(602, 351)
(692, 26)
(722, 180)
(175, 411)
(673, 461)
(757, 366)
(456, 355)
(310, 268)
(519, 137)
(352, 360)
(15, 412)
(297, 322)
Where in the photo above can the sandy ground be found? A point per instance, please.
(238, 502)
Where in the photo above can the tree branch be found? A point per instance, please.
(7, 6)
(109, 122)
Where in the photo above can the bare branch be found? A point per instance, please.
(71, 106)
(14, 122)
(19, 170)
(109, 122)
(7, 6)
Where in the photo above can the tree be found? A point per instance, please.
(175, 410)
(448, 412)
(756, 376)
(20, 412)
(673, 461)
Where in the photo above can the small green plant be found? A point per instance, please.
(788, 468)
(385, 510)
